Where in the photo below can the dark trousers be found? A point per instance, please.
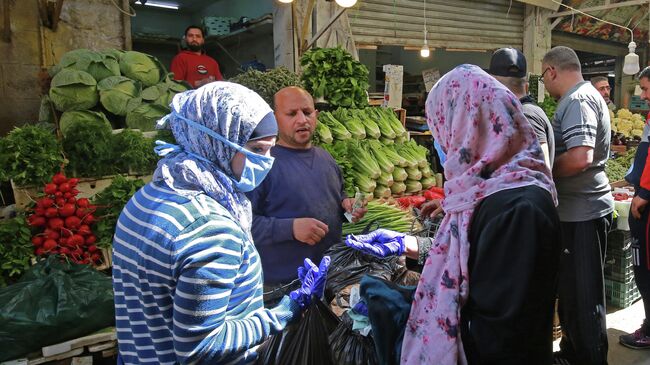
(581, 291)
(640, 231)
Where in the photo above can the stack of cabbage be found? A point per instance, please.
(627, 124)
(129, 89)
(371, 147)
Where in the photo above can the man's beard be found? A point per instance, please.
(195, 47)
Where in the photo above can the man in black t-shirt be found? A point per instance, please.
(508, 65)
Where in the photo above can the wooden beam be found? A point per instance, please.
(587, 44)
(126, 24)
(547, 4)
(323, 29)
(305, 24)
(556, 22)
(600, 7)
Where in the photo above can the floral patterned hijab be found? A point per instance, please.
(229, 109)
(490, 147)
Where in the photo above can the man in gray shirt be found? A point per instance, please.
(508, 65)
(582, 135)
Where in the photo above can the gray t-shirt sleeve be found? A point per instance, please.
(537, 122)
(579, 125)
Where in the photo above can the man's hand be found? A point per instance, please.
(638, 205)
(358, 214)
(309, 230)
(431, 208)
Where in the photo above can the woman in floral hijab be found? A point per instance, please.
(487, 288)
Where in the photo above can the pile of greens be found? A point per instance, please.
(616, 168)
(267, 83)
(549, 105)
(387, 216)
(333, 74)
(16, 249)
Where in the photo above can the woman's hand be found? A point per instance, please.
(431, 208)
(312, 278)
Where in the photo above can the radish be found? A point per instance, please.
(46, 202)
(95, 257)
(51, 212)
(81, 212)
(72, 200)
(89, 219)
(83, 202)
(37, 221)
(84, 230)
(92, 248)
(64, 251)
(53, 235)
(73, 182)
(50, 189)
(60, 202)
(73, 222)
(67, 210)
(55, 223)
(65, 187)
(49, 245)
(59, 178)
(58, 194)
(39, 251)
(39, 211)
(76, 240)
(91, 239)
(37, 241)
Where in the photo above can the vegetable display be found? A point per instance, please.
(626, 124)
(333, 74)
(616, 168)
(62, 223)
(16, 249)
(386, 216)
(370, 146)
(267, 83)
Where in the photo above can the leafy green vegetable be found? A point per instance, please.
(339, 152)
(387, 216)
(16, 249)
(30, 156)
(134, 152)
(119, 94)
(332, 73)
(98, 65)
(428, 182)
(73, 90)
(398, 188)
(86, 116)
(382, 191)
(163, 93)
(549, 105)
(323, 134)
(87, 144)
(413, 186)
(372, 129)
(400, 174)
(351, 123)
(142, 67)
(110, 203)
(375, 149)
(414, 173)
(362, 161)
(386, 179)
(267, 83)
(145, 116)
(339, 132)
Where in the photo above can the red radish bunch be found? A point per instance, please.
(64, 223)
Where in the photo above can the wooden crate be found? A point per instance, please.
(87, 187)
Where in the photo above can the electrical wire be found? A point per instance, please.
(132, 14)
(602, 20)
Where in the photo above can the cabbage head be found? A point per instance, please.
(142, 67)
(145, 116)
(119, 95)
(73, 90)
(68, 119)
(163, 93)
(98, 65)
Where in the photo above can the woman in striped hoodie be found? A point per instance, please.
(186, 275)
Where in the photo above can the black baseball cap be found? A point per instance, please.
(508, 62)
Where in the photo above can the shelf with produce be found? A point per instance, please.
(260, 27)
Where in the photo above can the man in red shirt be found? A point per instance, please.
(193, 65)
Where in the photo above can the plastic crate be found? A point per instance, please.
(618, 265)
(621, 294)
(618, 240)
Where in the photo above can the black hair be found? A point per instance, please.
(194, 27)
(645, 73)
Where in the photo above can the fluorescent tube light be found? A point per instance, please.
(162, 5)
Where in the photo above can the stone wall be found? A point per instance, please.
(94, 24)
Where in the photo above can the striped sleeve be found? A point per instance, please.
(579, 125)
(208, 265)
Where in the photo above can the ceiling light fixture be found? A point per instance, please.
(162, 5)
(286, 1)
(424, 52)
(346, 3)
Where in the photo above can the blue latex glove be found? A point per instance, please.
(312, 278)
(380, 243)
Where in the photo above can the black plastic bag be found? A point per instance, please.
(350, 347)
(53, 302)
(303, 342)
(349, 265)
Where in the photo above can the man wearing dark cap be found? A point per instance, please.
(508, 65)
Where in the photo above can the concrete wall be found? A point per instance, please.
(94, 24)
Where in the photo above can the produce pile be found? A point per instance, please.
(383, 215)
(616, 168)
(626, 125)
(269, 82)
(371, 148)
(549, 105)
(333, 74)
(62, 223)
(120, 89)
